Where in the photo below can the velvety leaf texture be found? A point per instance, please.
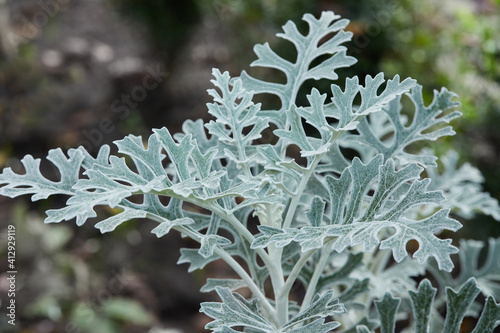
(33, 182)
(234, 311)
(357, 220)
(422, 302)
(487, 275)
(308, 49)
(387, 309)
(427, 125)
(462, 187)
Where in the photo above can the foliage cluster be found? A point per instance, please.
(337, 220)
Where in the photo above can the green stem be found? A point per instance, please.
(233, 264)
(296, 199)
(283, 290)
(250, 283)
(303, 183)
(243, 231)
(231, 219)
(277, 280)
(292, 277)
(379, 261)
(318, 271)
(275, 270)
(272, 261)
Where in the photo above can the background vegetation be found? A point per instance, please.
(75, 74)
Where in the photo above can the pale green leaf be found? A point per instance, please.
(234, 311)
(347, 113)
(457, 305)
(321, 307)
(421, 302)
(357, 217)
(33, 182)
(231, 284)
(317, 326)
(112, 222)
(147, 160)
(234, 111)
(387, 309)
(427, 125)
(487, 275)
(164, 227)
(309, 47)
(362, 329)
(462, 188)
(210, 242)
(194, 259)
(178, 153)
(490, 318)
(315, 213)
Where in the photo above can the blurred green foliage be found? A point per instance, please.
(169, 21)
(452, 44)
(60, 289)
(455, 44)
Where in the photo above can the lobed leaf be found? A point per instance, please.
(426, 126)
(309, 47)
(233, 311)
(357, 218)
(422, 308)
(421, 302)
(321, 307)
(112, 222)
(234, 111)
(343, 108)
(33, 182)
(457, 305)
(462, 188)
(487, 275)
(387, 308)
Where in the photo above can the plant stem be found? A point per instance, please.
(292, 277)
(282, 290)
(250, 283)
(231, 219)
(275, 270)
(277, 280)
(311, 288)
(379, 261)
(244, 232)
(232, 263)
(295, 201)
(305, 178)
(272, 261)
(238, 270)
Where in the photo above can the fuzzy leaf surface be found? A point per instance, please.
(308, 49)
(357, 218)
(33, 182)
(234, 310)
(427, 125)
(387, 308)
(462, 188)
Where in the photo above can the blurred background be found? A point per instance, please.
(87, 72)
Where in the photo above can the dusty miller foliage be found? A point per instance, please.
(335, 226)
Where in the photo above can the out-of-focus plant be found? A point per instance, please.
(451, 43)
(328, 223)
(59, 290)
(446, 43)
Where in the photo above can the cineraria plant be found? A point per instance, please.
(334, 223)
